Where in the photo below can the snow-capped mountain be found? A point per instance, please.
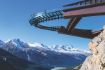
(60, 48)
(1, 43)
(47, 56)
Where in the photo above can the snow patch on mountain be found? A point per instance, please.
(35, 45)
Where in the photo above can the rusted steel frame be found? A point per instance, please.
(95, 33)
(99, 10)
(73, 22)
(84, 33)
(81, 33)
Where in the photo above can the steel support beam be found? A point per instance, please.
(72, 23)
(92, 11)
(84, 33)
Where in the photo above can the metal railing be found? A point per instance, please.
(44, 16)
(85, 3)
(36, 19)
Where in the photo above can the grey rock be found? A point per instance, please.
(96, 61)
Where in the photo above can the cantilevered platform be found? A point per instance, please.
(75, 13)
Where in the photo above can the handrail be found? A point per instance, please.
(42, 17)
(85, 3)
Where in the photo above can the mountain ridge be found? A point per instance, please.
(40, 54)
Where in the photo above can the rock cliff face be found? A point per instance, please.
(96, 61)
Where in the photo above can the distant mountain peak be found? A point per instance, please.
(64, 47)
(17, 43)
(1, 43)
(15, 40)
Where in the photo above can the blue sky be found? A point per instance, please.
(14, 22)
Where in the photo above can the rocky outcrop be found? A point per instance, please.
(96, 61)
